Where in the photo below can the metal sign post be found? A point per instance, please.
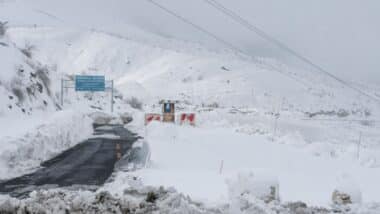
(88, 83)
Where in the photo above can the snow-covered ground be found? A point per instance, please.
(255, 116)
(24, 152)
(199, 161)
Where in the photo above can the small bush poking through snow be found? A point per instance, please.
(42, 74)
(19, 94)
(186, 79)
(28, 50)
(347, 192)
(213, 105)
(132, 201)
(126, 118)
(151, 197)
(258, 185)
(3, 28)
(135, 103)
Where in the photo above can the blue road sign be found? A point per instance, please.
(167, 107)
(90, 83)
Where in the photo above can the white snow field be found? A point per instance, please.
(260, 122)
(199, 162)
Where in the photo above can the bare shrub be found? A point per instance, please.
(224, 68)
(28, 50)
(213, 105)
(135, 103)
(186, 79)
(19, 94)
(42, 74)
(3, 28)
(367, 112)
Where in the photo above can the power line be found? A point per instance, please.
(228, 44)
(245, 23)
(282, 46)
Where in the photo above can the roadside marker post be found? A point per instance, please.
(275, 127)
(221, 167)
(359, 145)
(277, 117)
(62, 83)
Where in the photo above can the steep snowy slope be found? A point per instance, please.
(25, 84)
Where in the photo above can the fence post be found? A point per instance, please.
(275, 128)
(276, 114)
(359, 144)
(221, 167)
(62, 92)
(253, 98)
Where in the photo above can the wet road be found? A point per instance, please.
(88, 163)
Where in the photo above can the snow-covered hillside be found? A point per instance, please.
(255, 116)
(195, 74)
(25, 84)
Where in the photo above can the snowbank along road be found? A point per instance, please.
(88, 163)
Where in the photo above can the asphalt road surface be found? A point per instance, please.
(89, 163)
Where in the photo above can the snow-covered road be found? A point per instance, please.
(88, 163)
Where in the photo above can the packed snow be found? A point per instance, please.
(269, 137)
(200, 161)
(24, 153)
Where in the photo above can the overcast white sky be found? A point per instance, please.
(340, 35)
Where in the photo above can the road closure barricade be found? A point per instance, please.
(152, 117)
(187, 118)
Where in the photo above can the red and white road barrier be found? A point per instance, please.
(152, 117)
(187, 118)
